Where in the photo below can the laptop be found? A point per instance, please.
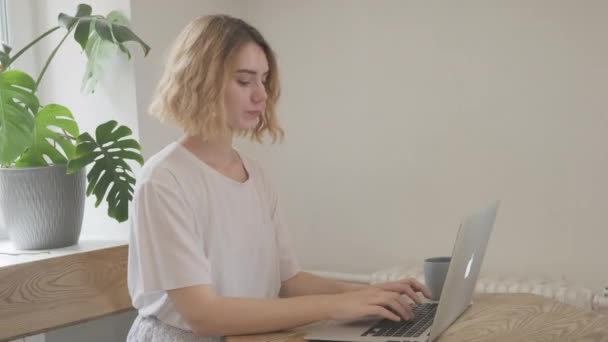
(431, 318)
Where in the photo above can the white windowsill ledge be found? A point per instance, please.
(10, 256)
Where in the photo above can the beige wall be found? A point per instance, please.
(402, 116)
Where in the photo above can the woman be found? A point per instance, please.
(209, 253)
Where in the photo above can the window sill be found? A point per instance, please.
(9, 256)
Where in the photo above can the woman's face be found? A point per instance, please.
(245, 98)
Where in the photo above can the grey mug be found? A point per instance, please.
(435, 272)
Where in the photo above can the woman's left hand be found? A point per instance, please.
(408, 287)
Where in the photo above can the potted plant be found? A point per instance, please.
(43, 155)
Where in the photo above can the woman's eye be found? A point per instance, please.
(243, 83)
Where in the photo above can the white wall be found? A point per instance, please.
(401, 117)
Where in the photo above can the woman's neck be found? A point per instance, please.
(217, 152)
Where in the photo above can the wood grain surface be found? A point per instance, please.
(501, 318)
(52, 293)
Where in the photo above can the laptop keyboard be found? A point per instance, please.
(423, 318)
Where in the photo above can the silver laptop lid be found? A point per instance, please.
(467, 257)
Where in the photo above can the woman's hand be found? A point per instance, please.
(391, 300)
(408, 287)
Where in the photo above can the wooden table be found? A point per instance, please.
(501, 318)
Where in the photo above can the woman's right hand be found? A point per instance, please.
(368, 302)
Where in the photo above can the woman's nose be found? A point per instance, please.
(260, 94)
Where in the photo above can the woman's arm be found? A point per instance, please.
(304, 283)
(212, 315)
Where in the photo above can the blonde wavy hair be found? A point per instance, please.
(200, 63)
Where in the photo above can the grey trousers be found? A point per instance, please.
(151, 329)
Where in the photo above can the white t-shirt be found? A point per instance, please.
(191, 225)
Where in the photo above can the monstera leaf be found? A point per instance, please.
(18, 104)
(108, 154)
(101, 38)
(99, 52)
(54, 123)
